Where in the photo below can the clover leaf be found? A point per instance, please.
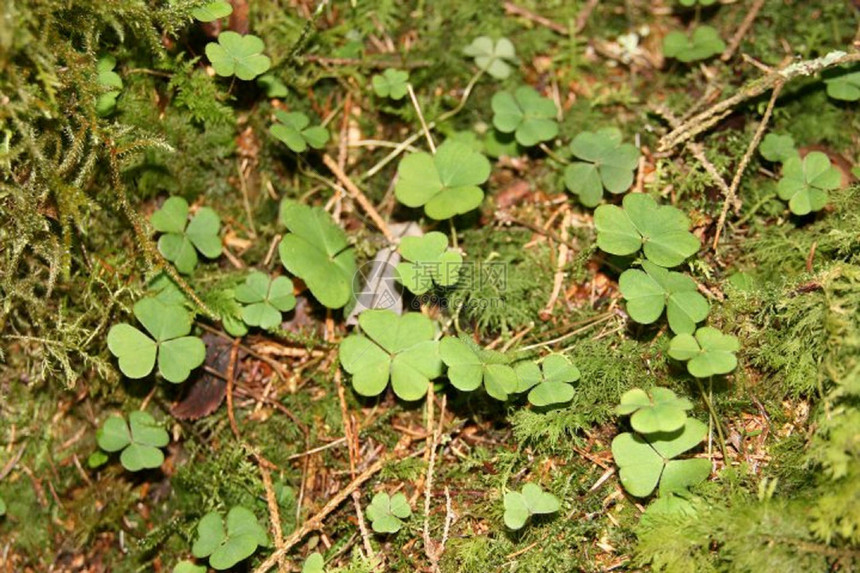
(386, 513)
(140, 440)
(548, 385)
(182, 239)
(213, 11)
(225, 548)
(428, 262)
(293, 131)
(189, 567)
(777, 148)
(690, 3)
(805, 182)
(662, 411)
(178, 354)
(645, 461)
(273, 85)
(316, 251)
(314, 564)
(845, 87)
(704, 43)
(238, 55)
(469, 366)
(266, 299)
(492, 57)
(709, 352)
(531, 500)
(445, 184)
(654, 288)
(109, 79)
(391, 83)
(661, 231)
(2, 507)
(530, 117)
(399, 348)
(607, 164)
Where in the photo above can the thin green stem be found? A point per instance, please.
(708, 398)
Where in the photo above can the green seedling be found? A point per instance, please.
(691, 3)
(428, 261)
(237, 55)
(399, 348)
(549, 384)
(274, 87)
(469, 366)
(649, 291)
(662, 411)
(805, 182)
(111, 82)
(645, 461)
(316, 251)
(662, 232)
(391, 84)
(189, 567)
(227, 547)
(314, 564)
(182, 239)
(530, 117)
(606, 164)
(168, 325)
(844, 87)
(531, 500)
(266, 299)
(97, 459)
(703, 44)
(140, 440)
(293, 131)
(213, 11)
(708, 353)
(492, 57)
(386, 513)
(445, 184)
(777, 148)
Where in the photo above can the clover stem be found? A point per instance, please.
(553, 155)
(453, 232)
(708, 398)
(421, 118)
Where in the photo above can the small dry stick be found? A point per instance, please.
(231, 379)
(433, 553)
(360, 197)
(559, 271)
(511, 8)
(584, 14)
(274, 513)
(742, 30)
(421, 118)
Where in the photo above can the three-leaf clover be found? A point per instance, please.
(805, 182)
(182, 239)
(213, 11)
(654, 288)
(492, 56)
(399, 348)
(386, 513)
(225, 548)
(550, 384)
(238, 55)
(178, 354)
(662, 232)
(845, 87)
(428, 262)
(445, 184)
(315, 563)
(530, 117)
(316, 250)
(777, 148)
(109, 79)
(265, 298)
(643, 461)
(140, 440)
(662, 411)
(469, 366)
(531, 500)
(292, 129)
(709, 352)
(704, 43)
(391, 83)
(606, 164)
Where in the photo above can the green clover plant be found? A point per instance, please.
(662, 232)
(651, 290)
(266, 299)
(315, 563)
(2, 507)
(445, 184)
(225, 547)
(189, 567)
(293, 131)
(777, 148)
(428, 261)
(469, 366)
(661, 411)
(391, 84)
(704, 43)
(550, 384)
(708, 353)
(213, 11)
(273, 85)
(606, 164)
(316, 250)
(530, 117)
(691, 3)
(531, 500)
(140, 440)
(182, 239)
(492, 57)
(844, 86)
(805, 182)
(110, 80)
(168, 325)
(399, 348)
(238, 55)
(386, 513)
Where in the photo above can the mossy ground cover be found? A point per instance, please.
(271, 423)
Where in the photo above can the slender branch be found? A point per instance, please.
(421, 118)
(742, 30)
(359, 197)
